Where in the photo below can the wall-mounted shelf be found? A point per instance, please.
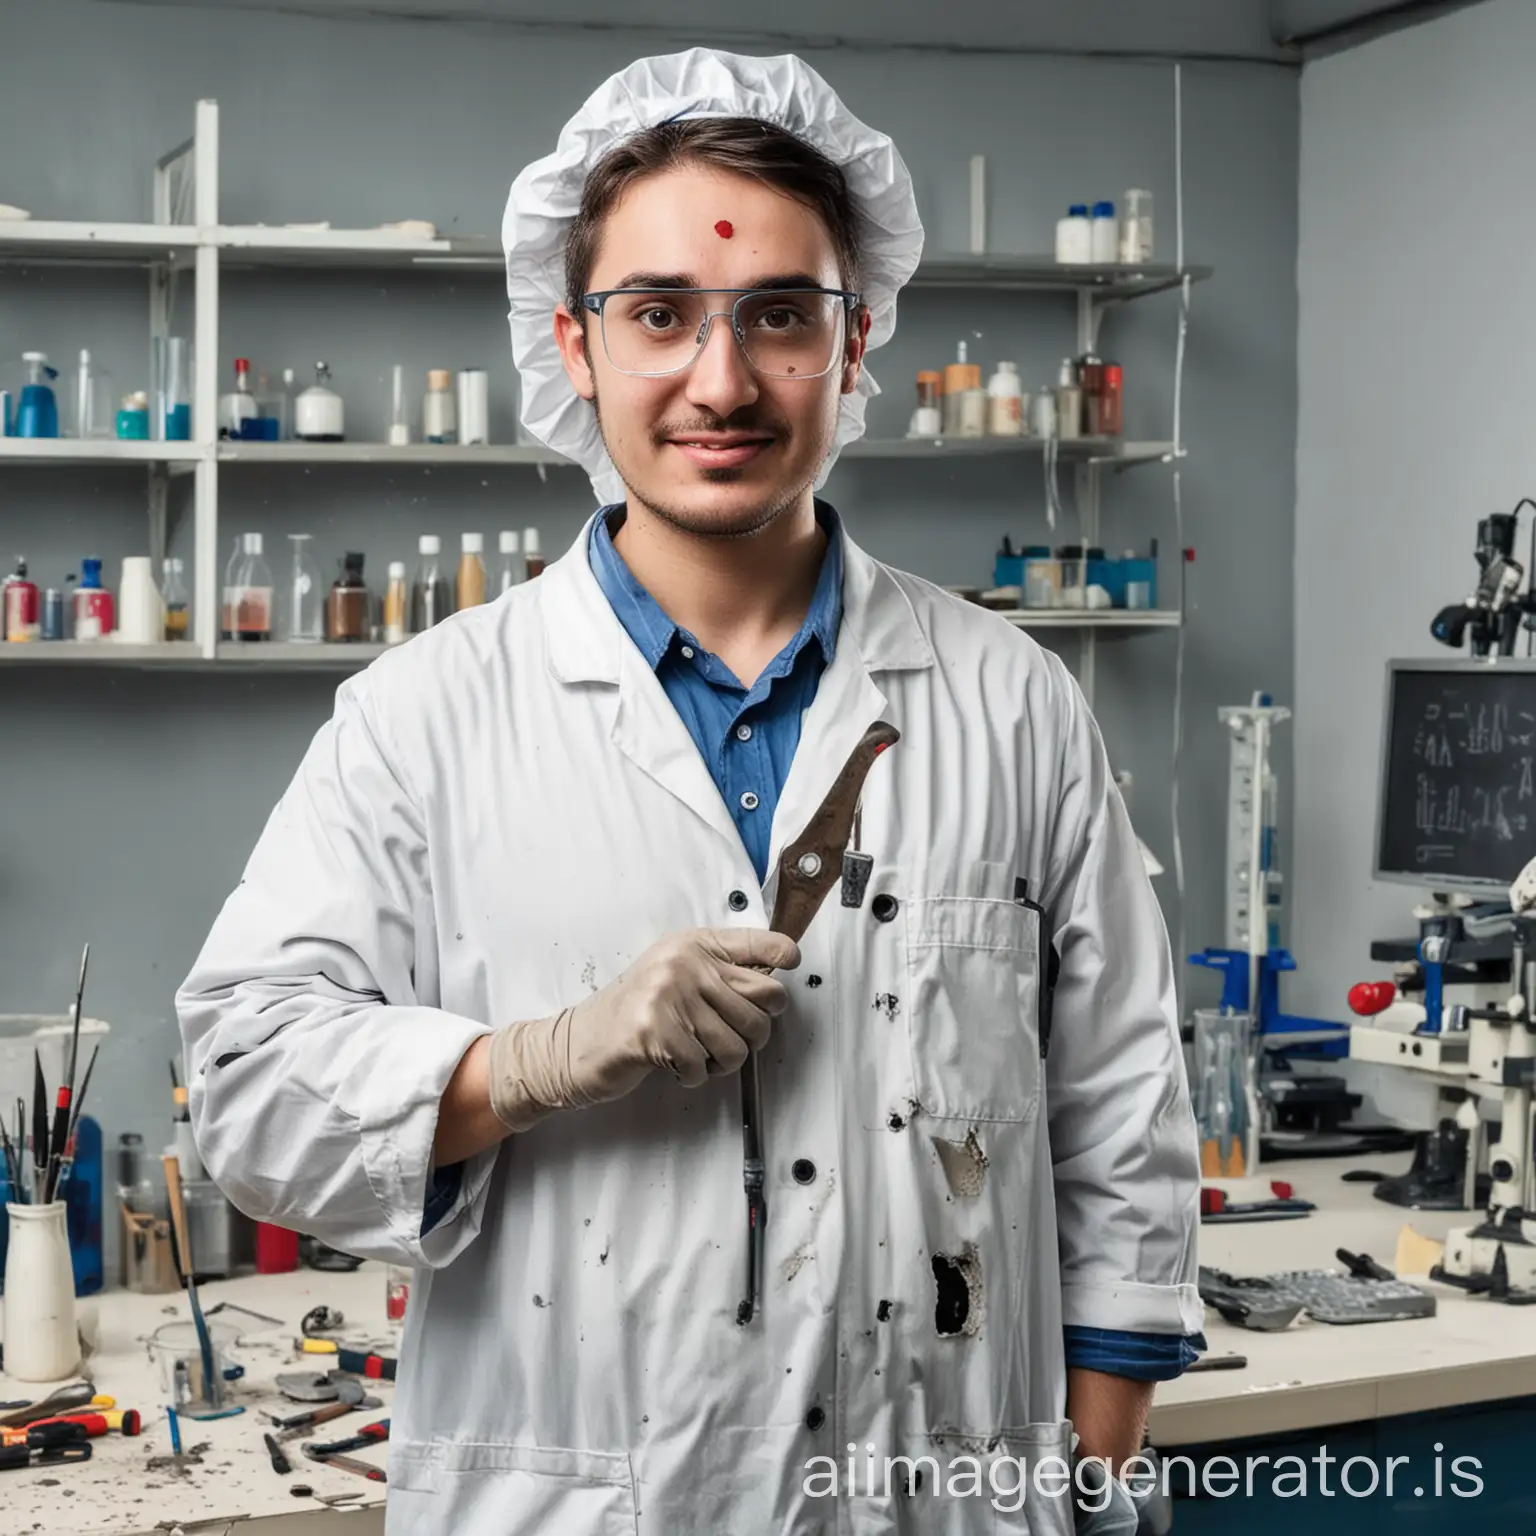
(283, 655)
(1103, 620)
(105, 450)
(186, 233)
(103, 654)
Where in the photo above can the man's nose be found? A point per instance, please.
(721, 380)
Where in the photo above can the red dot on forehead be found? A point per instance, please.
(724, 230)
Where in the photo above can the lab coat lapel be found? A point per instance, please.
(879, 634)
(587, 644)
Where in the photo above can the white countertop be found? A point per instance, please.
(1309, 1376)
(114, 1494)
(1315, 1374)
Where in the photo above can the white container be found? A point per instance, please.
(140, 612)
(1136, 228)
(42, 1337)
(1105, 234)
(1069, 402)
(1005, 402)
(439, 414)
(318, 415)
(474, 406)
(1044, 414)
(399, 420)
(1074, 237)
(972, 420)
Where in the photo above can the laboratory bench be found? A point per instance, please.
(1376, 1389)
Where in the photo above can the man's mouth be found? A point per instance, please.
(721, 450)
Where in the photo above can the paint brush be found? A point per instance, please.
(213, 1389)
(75, 1111)
(39, 1124)
(60, 1136)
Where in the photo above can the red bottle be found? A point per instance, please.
(21, 622)
(95, 612)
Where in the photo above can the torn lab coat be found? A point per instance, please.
(498, 818)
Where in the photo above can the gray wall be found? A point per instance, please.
(1407, 230)
(130, 802)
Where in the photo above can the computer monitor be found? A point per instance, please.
(1457, 803)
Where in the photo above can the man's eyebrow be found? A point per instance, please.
(769, 284)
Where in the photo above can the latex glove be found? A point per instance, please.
(693, 1003)
(1120, 1515)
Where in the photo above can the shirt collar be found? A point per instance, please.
(654, 633)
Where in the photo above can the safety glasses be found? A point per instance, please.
(784, 333)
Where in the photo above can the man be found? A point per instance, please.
(480, 1002)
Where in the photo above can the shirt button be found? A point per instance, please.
(884, 907)
(749, 801)
(804, 1170)
(743, 733)
(687, 653)
(738, 901)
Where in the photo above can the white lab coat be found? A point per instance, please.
(498, 818)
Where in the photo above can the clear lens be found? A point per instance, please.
(785, 335)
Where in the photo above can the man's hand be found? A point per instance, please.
(694, 1002)
(1109, 1414)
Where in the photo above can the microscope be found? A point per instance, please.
(1490, 617)
(1497, 1257)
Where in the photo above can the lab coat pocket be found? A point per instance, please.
(973, 1025)
(1041, 1498)
(493, 1488)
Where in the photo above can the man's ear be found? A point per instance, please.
(857, 345)
(571, 338)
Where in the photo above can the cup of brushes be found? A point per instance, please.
(42, 1337)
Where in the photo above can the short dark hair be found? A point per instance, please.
(746, 146)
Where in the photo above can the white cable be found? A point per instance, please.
(1182, 957)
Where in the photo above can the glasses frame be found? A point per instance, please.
(594, 302)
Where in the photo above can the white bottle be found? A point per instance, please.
(1069, 402)
(509, 572)
(1005, 402)
(239, 405)
(1105, 235)
(1074, 237)
(439, 411)
(399, 419)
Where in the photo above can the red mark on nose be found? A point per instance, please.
(724, 229)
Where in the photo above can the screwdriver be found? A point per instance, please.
(351, 1464)
(369, 1434)
(124, 1420)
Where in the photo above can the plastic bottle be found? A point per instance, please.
(37, 412)
(1105, 235)
(247, 607)
(533, 554)
(965, 401)
(927, 420)
(509, 569)
(399, 421)
(1069, 402)
(1112, 401)
(173, 593)
(469, 588)
(95, 612)
(1005, 402)
(396, 604)
(430, 598)
(439, 410)
(21, 605)
(1074, 236)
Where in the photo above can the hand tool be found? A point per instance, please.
(280, 1463)
(1362, 1266)
(1214, 1203)
(14, 1457)
(60, 1137)
(126, 1421)
(1218, 1363)
(351, 1464)
(808, 869)
(369, 1434)
(78, 1394)
(312, 1416)
(40, 1436)
(181, 1251)
(358, 1361)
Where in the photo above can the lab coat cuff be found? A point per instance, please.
(397, 1123)
(1130, 1306)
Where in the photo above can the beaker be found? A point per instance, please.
(1226, 1094)
(171, 387)
(304, 596)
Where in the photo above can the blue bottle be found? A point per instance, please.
(37, 412)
